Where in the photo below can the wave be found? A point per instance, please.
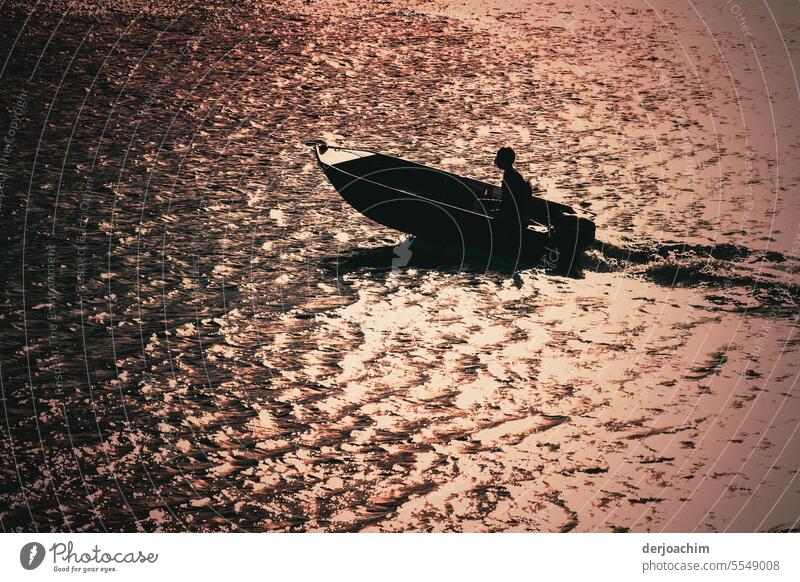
(735, 277)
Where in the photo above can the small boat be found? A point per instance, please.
(441, 206)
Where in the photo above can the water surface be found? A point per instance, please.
(199, 334)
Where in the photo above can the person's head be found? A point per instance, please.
(505, 158)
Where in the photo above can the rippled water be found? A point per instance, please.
(199, 334)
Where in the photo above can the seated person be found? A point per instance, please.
(517, 193)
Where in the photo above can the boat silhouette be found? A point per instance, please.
(436, 205)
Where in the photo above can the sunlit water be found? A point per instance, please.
(199, 334)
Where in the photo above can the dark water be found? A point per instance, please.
(199, 334)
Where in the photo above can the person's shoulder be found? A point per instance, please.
(523, 185)
(514, 176)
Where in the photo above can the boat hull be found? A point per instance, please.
(437, 205)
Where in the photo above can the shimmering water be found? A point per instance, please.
(199, 334)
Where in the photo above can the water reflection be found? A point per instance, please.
(419, 254)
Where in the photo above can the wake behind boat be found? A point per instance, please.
(441, 206)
